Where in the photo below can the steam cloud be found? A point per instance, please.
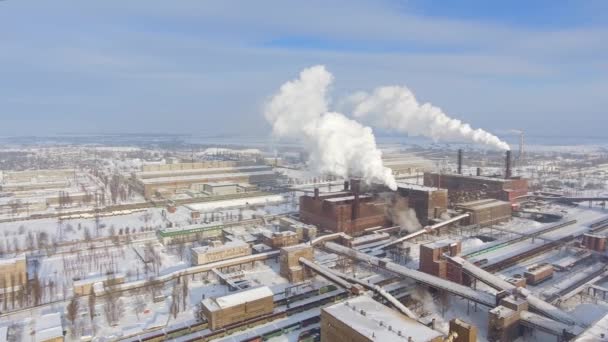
(336, 144)
(396, 108)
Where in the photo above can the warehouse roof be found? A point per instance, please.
(378, 322)
(204, 177)
(48, 327)
(227, 245)
(209, 170)
(237, 298)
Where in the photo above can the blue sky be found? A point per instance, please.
(206, 67)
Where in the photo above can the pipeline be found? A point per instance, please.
(346, 283)
(427, 229)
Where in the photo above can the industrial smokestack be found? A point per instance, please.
(316, 193)
(460, 161)
(346, 185)
(478, 171)
(508, 164)
(355, 185)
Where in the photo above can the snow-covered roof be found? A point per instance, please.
(595, 332)
(13, 260)
(3, 334)
(48, 327)
(237, 298)
(345, 198)
(417, 187)
(204, 177)
(227, 245)
(440, 243)
(378, 322)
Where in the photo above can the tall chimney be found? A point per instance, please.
(316, 193)
(346, 185)
(508, 164)
(459, 161)
(478, 171)
(355, 185)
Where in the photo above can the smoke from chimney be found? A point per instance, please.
(508, 164)
(396, 108)
(336, 144)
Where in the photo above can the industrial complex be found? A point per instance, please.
(238, 247)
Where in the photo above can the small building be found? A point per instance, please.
(217, 251)
(13, 273)
(83, 287)
(290, 266)
(464, 331)
(594, 242)
(237, 307)
(538, 273)
(486, 212)
(280, 239)
(503, 324)
(306, 232)
(433, 262)
(48, 328)
(362, 319)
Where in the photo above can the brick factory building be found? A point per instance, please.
(289, 259)
(428, 202)
(486, 212)
(362, 319)
(237, 307)
(346, 211)
(465, 332)
(433, 262)
(463, 188)
(594, 242)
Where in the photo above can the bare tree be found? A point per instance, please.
(185, 282)
(72, 312)
(92, 300)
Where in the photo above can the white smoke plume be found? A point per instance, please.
(337, 145)
(400, 213)
(396, 108)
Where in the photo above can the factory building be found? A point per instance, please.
(35, 180)
(237, 307)
(207, 164)
(463, 331)
(289, 260)
(362, 319)
(433, 262)
(305, 232)
(428, 202)
(346, 211)
(217, 251)
(170, 182)
(463, 188)
(280, 239)
(486, 212)
(406, 164)
(594, 242)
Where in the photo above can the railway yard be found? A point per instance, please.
(224, 253)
